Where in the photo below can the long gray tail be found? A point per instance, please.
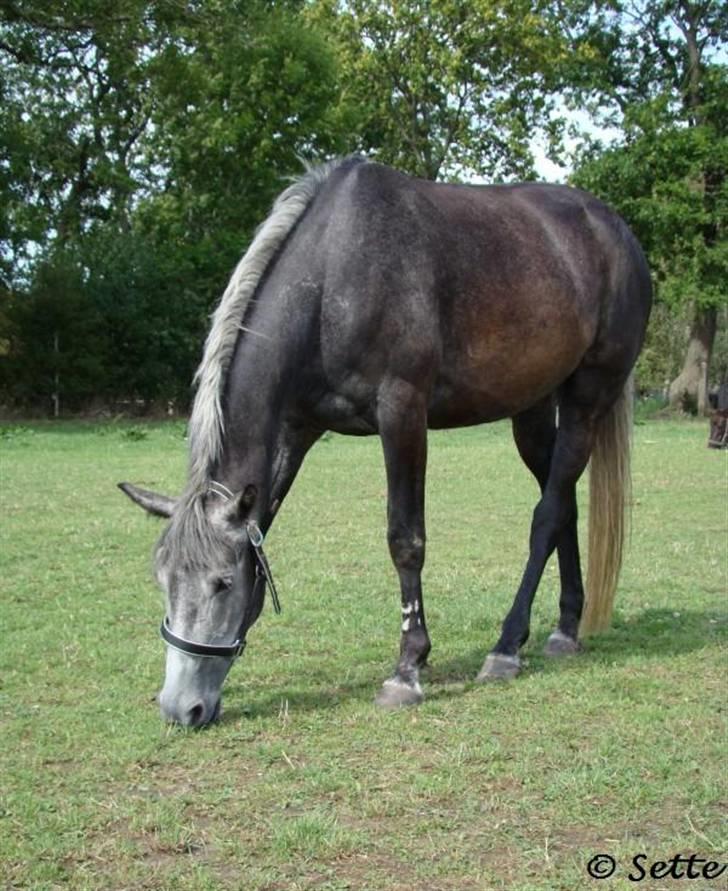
(610, 488)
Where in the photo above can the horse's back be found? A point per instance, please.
(490, 296)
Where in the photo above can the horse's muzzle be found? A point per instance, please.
(189, 712)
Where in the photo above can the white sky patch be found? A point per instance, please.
(579, 122)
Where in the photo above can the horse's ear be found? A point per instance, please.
(152, 502)
(243, 503)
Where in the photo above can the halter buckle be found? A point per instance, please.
(254, 534)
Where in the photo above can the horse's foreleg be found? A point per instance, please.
(402, 417)
(534, 432)
(553, 521)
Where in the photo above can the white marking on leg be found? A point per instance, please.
(395, 682)
(558, 634)
(504, 658)
(406, 610)
(406, 624)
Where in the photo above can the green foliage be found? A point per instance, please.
(119, 322)
(154, 315)
(441, 89)
(653, 71)
(16, 433)
(649, 407)
(636, 57)
(663, 350)
(657, 181)
(142, 143)
(667, 176)
(258, 86)
(76, 101)
(135, 434)
(56, 339)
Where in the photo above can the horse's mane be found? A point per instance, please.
(206, 426)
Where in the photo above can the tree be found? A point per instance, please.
(145, 140)
(76, 103)
(259, 86)
(651, 71)
(54, 354)
(440, 88)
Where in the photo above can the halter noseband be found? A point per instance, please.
(191, 648)
(263, 576)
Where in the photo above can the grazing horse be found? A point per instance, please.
(370, 302)
(718, 436)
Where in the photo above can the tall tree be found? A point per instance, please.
(144, 141)
(76, 101)
(654, 73)
(440, 88)
(259, 87)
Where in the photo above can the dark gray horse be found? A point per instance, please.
(370, 302)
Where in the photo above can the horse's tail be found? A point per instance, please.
(610, 489)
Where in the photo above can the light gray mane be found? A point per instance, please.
(190, 539)
(206, 426)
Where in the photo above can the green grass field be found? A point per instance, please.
(305, 784)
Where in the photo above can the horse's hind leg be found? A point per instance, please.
(534, 432)
(402, 417)
(552, 518)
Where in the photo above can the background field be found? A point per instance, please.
(304, 784)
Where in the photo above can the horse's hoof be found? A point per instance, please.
(499, 667)
(397, 694)
(560, 644)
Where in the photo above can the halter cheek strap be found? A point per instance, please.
(219, 489)
(263, 576)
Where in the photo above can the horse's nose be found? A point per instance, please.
(188, 713)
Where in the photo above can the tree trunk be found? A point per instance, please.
(692, 382)
(56, 395)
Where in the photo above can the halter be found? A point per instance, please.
(263, 576)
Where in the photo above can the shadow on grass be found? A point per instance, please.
(653, 634)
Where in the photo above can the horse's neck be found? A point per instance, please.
(255, 398)
(272, 353)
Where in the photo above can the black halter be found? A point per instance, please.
(191, 648)
(263, 576)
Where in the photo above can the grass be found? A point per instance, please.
(305, 784)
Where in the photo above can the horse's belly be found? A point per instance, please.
(498, 372)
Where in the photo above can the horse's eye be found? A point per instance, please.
(222, 585)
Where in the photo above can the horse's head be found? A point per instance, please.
(718, 437)
(205, 562)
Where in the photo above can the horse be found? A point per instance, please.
(718, 436)
(370, 302)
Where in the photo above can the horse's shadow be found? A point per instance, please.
(654, 633)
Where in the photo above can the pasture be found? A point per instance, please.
(305, 784)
